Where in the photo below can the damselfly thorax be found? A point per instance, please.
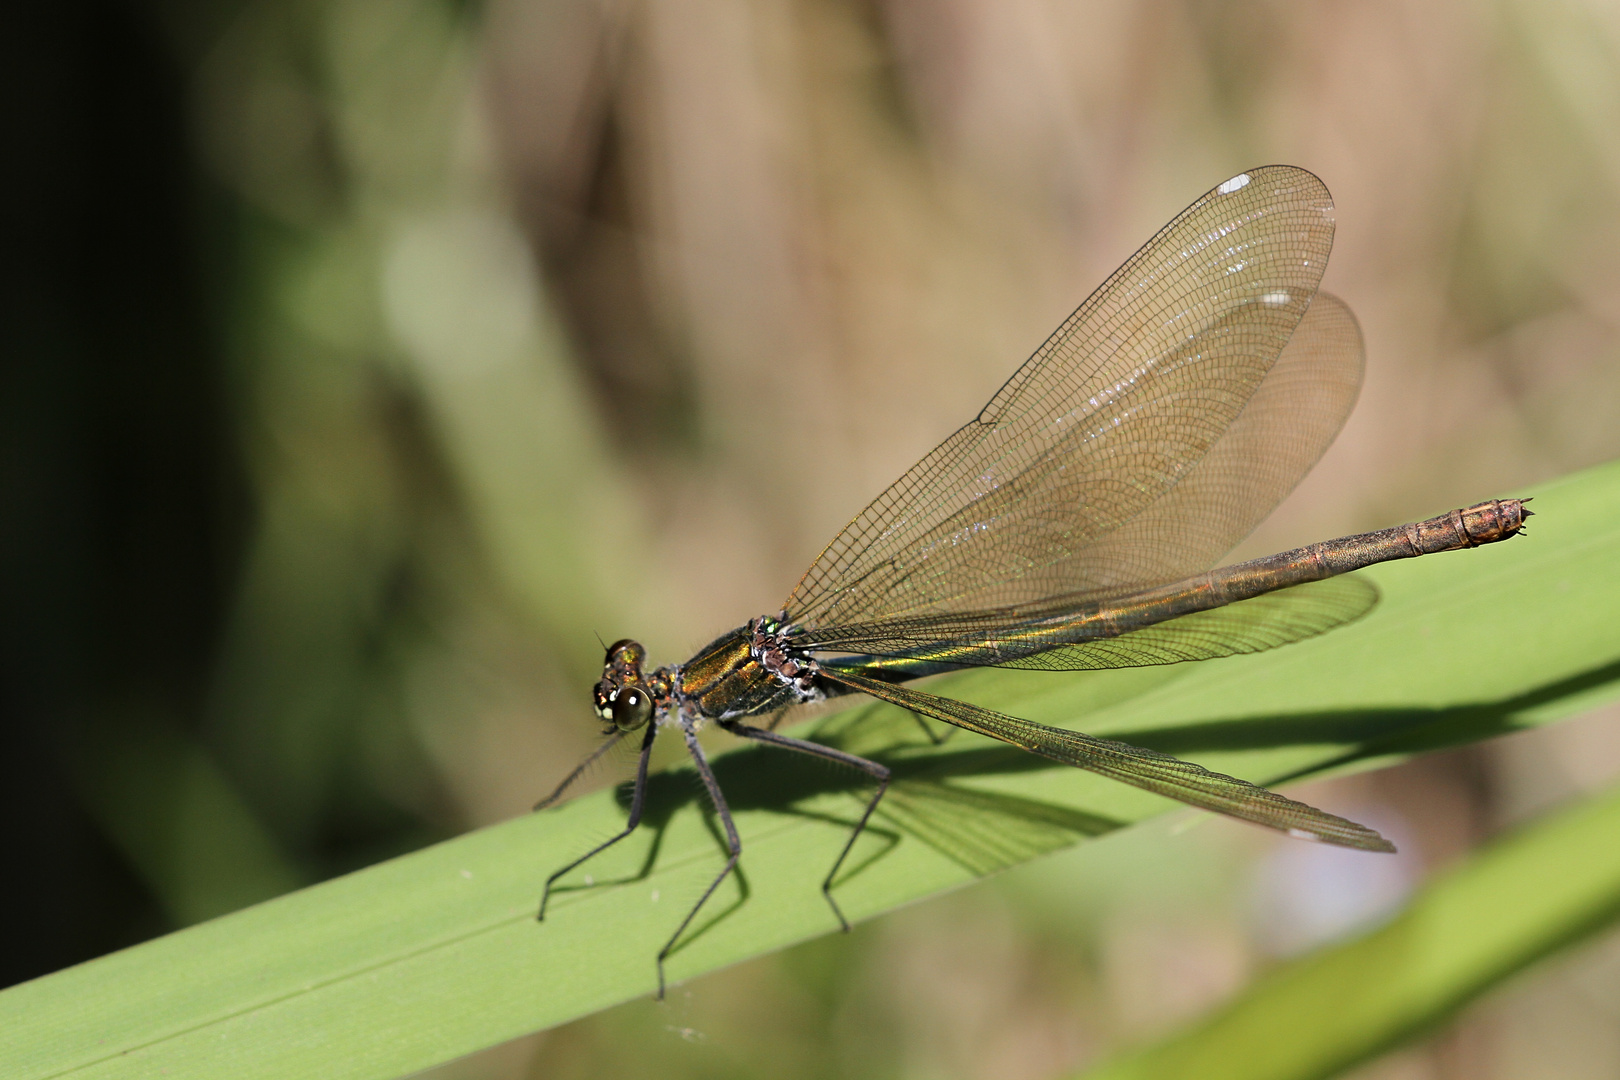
(749, 671)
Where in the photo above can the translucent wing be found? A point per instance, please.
(1281, 433)
(1147, 769)
(1275, 439)
(1091, 640)
(1081, 477)
(1249, 626)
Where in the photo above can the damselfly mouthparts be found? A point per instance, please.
(1072, 523)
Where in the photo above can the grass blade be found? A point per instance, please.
(435, 955)
(1522, 898)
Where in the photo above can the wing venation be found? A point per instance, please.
(1095, 637)
(1151, 432)
(1148, 769)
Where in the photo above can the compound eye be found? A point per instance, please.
(632, 708)
(624, 650)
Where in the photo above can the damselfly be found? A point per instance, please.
(1072, 523)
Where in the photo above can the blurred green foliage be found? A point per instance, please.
(1510, 905)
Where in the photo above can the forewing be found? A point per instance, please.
(1147, 769)
(1113, 412)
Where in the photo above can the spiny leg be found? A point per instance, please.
(636, 802)
(733, 844)
(878, 772)
(579, 770)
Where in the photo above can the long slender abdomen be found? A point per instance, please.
(1484, 523)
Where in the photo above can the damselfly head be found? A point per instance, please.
(622, 697)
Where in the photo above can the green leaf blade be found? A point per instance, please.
(1520, 900)
(435, 955)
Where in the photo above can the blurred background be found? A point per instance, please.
(366, 359)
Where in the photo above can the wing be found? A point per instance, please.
(1281, 432)
(1083, 476)
(1092, 639)
(1147, 769)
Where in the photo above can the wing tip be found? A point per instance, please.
(1358, 837)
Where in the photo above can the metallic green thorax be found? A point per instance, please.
(746, 672)
(727, 679)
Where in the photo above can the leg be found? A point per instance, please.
(636, 801)
(936, 739)
(733, 844)
(880, 773)
(579, 770)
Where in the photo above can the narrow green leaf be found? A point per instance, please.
(435, 955)
(1514, 903)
